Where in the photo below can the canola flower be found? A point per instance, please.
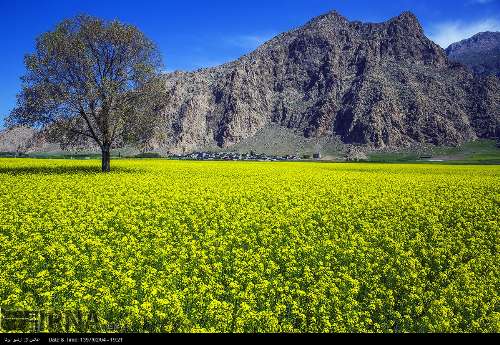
(169, 246)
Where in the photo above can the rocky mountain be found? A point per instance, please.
(377, 84)
(23, 140)
(17, 139)
(481, 53)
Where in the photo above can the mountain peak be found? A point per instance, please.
(481, 53)
(408, 16)
(406, 20)
(380, 84)
(487, 34)
(409, 21)
(334, 14)
(330, 17)
(490, 38)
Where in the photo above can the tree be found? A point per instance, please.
(91, 79)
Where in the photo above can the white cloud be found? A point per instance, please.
(447, 33)
(481, 2)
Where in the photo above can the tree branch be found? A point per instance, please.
(94, 136)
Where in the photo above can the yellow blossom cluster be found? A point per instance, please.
(175, 246)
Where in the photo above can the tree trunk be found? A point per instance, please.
(106, 159)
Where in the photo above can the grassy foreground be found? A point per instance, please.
(161, 246)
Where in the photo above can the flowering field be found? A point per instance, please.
(162, 246)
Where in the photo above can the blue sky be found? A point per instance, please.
(192, 34)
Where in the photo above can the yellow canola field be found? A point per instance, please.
(170, 246)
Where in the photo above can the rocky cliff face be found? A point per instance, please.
(481, 53)
(383, 85)
(17, 139)
(24, 140)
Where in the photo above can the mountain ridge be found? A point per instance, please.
(481, 53)
(375, 84)
(331, 81)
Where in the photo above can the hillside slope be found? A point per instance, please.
(382, 85)
(481, 53)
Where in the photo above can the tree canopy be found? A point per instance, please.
(91, 79)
